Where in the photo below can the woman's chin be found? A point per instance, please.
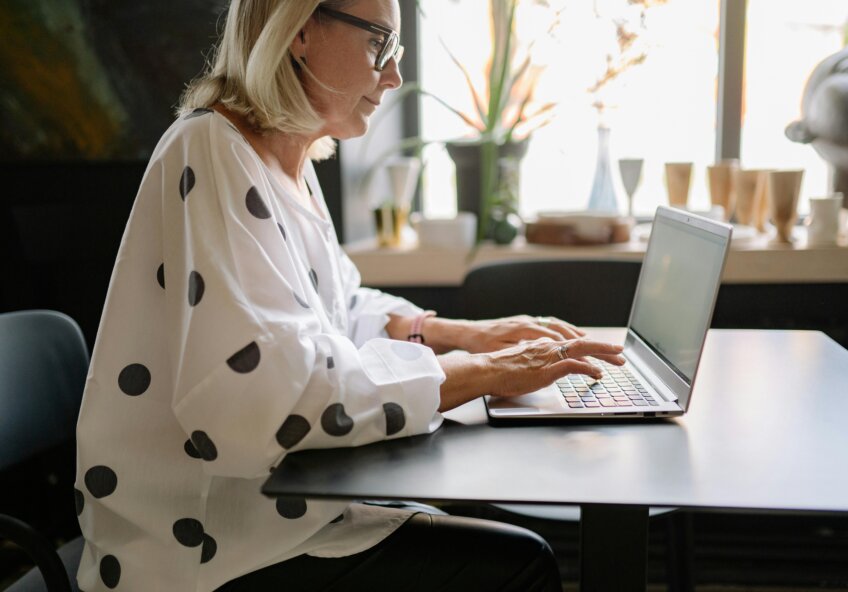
(353, 129)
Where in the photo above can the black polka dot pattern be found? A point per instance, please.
(291, 508)
(335, 421)
(188, 532)
(282, 230)
(246, 359)
(110, 571)
(255, 205)
(204, 445)
(293, 430)
(300, 300)
(187, 180)
(210, 547)
(79, 501)
(313, 277)
(395, 418)
(191, 450)
(160, 275)
(101, 481)
(134, 380)
(197, 113)
(196, 288)
(331, 363)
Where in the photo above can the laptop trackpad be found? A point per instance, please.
(544, 401)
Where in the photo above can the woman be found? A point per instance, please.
(235, 331)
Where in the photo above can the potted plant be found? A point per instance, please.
(504, 116)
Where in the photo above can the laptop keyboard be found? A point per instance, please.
(617, 388)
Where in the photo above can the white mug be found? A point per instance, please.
(823, 222)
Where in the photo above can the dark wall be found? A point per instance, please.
(71, 161)
(60, 228)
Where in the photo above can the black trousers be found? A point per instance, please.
(428, 553)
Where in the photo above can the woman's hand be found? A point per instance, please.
(496, 334)
(520, 369)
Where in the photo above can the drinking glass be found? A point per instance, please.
(631, 177)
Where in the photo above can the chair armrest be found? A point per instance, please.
(39, 550)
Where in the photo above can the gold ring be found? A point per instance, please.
(544, 321)
(562, 351)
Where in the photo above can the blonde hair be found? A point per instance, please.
(253, 72)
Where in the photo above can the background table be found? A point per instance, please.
(765, 431)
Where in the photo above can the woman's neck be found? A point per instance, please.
(283, 153)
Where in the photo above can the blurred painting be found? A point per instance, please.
(97, 79)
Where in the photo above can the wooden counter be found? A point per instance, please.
(752, 262)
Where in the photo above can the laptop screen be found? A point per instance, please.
(674, 301)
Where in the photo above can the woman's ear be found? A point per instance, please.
(298, 46)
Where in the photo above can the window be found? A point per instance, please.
(662, 110)
(784, 42)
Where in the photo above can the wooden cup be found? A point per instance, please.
(749, 187)
(761, 211)
(720, 178)
(678, 181)
(783, 189)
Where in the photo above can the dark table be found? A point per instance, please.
(766, 431)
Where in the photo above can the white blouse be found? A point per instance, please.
(234, 331)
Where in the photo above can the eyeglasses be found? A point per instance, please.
(391, 47)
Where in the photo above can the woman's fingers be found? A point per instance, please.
(573, 366)
(562, 328)
(614, 360)
(578, 348)
(568, 330)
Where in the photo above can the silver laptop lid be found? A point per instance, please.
(675, 296)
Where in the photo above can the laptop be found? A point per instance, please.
(671, 313)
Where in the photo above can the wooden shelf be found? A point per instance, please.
(756, 261)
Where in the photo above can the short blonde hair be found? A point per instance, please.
(252, 71)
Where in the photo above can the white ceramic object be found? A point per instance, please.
(446, 233)
(403, 176)
(823, 222)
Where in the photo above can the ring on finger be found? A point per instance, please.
(544, 321)
(562, 351)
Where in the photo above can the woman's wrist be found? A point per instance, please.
(442, 335)
(467, 376)
(445, 335)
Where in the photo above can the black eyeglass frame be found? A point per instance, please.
(388, 35)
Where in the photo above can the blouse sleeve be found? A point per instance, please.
(369, 309)
(254, 374)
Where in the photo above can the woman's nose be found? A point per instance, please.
(391, 77)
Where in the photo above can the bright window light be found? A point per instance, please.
(662, 110)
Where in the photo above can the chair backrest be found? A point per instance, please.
(43, 365)
(584, 292)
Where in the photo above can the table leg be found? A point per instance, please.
(613, 548)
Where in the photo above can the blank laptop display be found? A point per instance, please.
(669, 319)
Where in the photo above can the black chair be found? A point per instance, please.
(585, 292)
(588, 293)
(43, 365)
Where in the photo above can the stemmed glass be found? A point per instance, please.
(631, 176)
